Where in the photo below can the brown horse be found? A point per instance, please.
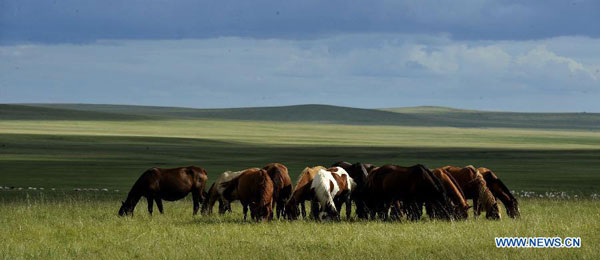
(412, 186)
(158, 184)
(282, 192)
(254, 189)
(474, 187)
(214, 194)
(302, 192)
(455, 193)
(501, 192)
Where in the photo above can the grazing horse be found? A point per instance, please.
(254, 188)
(501, 192)
(411, 186)
(158, 184)
(455, 193)
(283, 191)
(302, 193)
(359, 173)
(474, 187)
(332, 188)
(214, 195)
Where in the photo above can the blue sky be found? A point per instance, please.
(494, 55)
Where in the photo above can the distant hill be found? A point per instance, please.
(411, 116)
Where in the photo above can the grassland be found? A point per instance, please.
(69, 148)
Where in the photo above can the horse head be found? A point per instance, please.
(292, 209)
(126, 209)
(493, 211)
(513, 210)
(461, 212)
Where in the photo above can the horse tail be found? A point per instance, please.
(265, 192)
(228, 187)
(275, 175)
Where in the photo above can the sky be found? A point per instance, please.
(537, 55)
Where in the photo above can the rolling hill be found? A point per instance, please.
(411, 116)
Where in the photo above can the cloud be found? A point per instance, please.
(363, 70)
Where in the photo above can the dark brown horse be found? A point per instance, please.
(412, 186)
(501, 192)
(474, 187)
(359, 173)
(302, 192)
(158, 184)
(254, 189)
(283, 191)
(455, 193)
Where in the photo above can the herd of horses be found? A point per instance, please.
(389, 192)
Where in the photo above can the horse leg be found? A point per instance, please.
(476, 207)
(159, 204)
(314, 209)
(303, 207)
(245, 206)
(196, 201)
(348, 207)
(150, 204)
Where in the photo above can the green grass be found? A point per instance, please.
(89, 228)
(105, 147)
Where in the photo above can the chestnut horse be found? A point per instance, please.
(359, 173)
(254, 189)
(474, 187)
(501, 192)
(158, 184)
(282, 192)
(213, 194)
(455, 193)
(332, 188)
(302, 193)
(411, 186)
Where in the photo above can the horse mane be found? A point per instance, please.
(494, 179)
(454, 182)
(306, 174)
(486, 198)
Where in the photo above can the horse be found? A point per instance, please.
(301, 193)
(332, 188)
(474, 187)
(501, 192)
(213, 194)
(411, 186)
(359, 173)
(254, 188)
(283, 191)
(455, 193)
(158, 184)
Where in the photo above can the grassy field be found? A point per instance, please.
(105, 148)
